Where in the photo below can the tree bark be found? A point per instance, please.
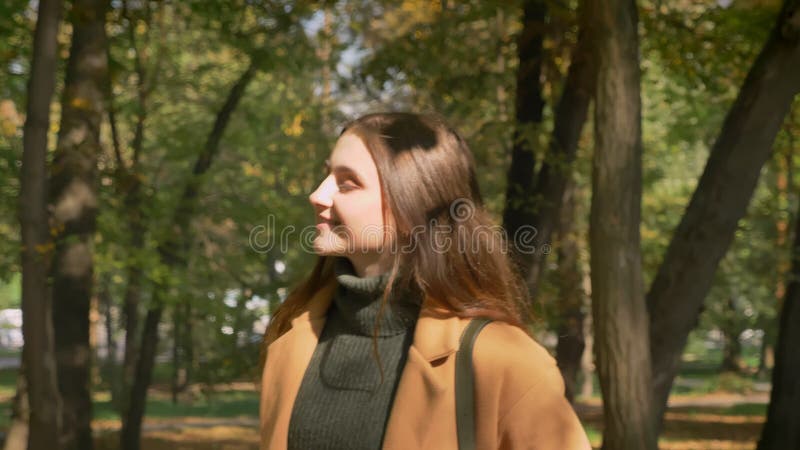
(782, 428)
(570, 116)
(519, 203)
(172, 254)
(37, 327)
(130, 436)
(74, 198)
(571, 344)
(618, 307)
(707, 227)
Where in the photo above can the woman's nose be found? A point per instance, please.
(322, 195)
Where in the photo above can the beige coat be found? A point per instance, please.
(519, 390)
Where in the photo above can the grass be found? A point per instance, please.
(224, 404)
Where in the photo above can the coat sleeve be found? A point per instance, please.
(521, 394)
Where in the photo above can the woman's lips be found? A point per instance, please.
(327, 225)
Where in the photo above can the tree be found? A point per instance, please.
(618, 309)
(547, 190)
(38, 352)
(782, 428)
(529, 106)
(74, 202)
(707, 227)
(172, 252)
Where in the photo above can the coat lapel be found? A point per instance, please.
(423, 410)
(287, 360)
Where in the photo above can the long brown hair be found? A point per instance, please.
(429, 187)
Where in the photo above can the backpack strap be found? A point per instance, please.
(465, 385)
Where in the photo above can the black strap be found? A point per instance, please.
(465, 385)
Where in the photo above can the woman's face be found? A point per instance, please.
(348, 206)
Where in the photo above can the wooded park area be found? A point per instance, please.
(651, 144)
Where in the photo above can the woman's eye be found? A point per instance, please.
(346, 186)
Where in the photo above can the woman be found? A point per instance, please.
(362, 353)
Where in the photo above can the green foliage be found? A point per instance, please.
(10, 292)
(321, 63)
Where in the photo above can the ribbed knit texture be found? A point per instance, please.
(341, 403)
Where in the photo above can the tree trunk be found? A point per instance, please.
(731, 330)
(110, 372)
(587, 360)
(17, 436)
(180, 329)
(782, 429)
(707, 227)
(570, 117)
(732, 353)
(130, 436)
(519, 203)
(766, 357)
(188, 343)
(130, 307)
(73, 197)
(570, 346)
(172, 255)
(618, 307)
(37, 327)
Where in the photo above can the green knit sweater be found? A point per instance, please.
(342, 403)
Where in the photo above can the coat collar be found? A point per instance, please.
(436, 335)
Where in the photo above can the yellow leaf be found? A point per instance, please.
(251, 170)
(81, 103)
(296, 128)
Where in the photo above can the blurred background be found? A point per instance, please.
(168, 144)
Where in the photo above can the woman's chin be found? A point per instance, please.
(323, 247)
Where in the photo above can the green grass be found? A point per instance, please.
(595, 435)
(10, 353)
(221, 405)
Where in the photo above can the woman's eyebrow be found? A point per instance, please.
(341, 169)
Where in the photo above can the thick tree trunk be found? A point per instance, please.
(570, 346)
(570, 117)
(782, 429)
(707, 228)
(74, 201)
(172, 254)
(37, 327)
(618, 307)
(519, 203)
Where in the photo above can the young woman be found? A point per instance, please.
(361, 355)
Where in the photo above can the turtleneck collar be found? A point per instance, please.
(358, 301)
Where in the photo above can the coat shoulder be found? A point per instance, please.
(514, 357)
(520, 391)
